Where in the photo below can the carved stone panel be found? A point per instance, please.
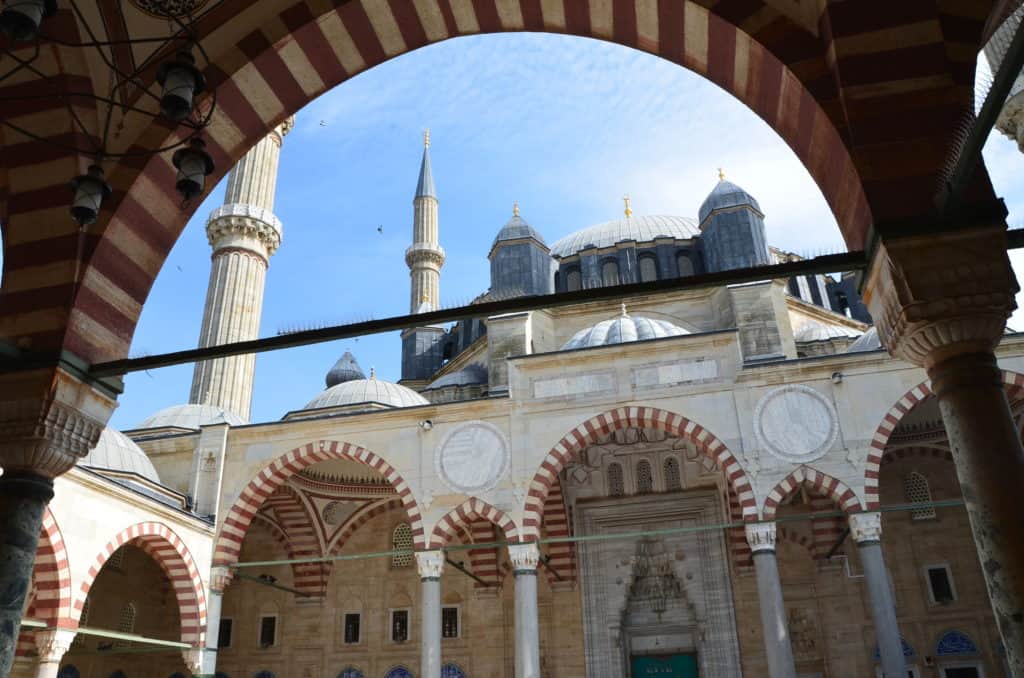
(472, 458)
(795, 423)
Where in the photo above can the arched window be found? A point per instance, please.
(672, 478)
(644, 477)
(126, 623)
(117, 559)
(956, 644)
(573, 281)
(648, 269)
(350, 672)
(450, 670)
(684, 264)
(917, 491)
(610, 273)
(398, 672)
(401, 539)
(616, 485)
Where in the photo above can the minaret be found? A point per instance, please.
(243, 233)
(425, 256)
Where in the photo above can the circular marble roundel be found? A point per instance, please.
(472, 457)
(795, 423)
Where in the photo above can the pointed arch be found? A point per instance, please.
(591, 430)
(823, 483)
(236, 522)
(171, 554)
(299, 527)
(52, 574)
(464, 514)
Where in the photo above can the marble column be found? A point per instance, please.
(51, 645)
(866, 529)
(203, 662)
(525, 558)
(430, 565)
(774, 624)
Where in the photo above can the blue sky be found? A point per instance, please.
(565, 126)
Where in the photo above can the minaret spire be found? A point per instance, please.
(425, 257)
(243, 233)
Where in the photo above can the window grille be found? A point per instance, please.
(449, 622)
(616, 485)
(644, 478)
(399, 626)
(610, 273)
(401, 539)
(917, 491)
(350, 672)
(352, 623)
(116, 559)
(452, 671)
(648, 269)
(672, 478)
(127, 620)
(83, 620)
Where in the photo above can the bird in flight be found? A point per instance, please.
(380, 230)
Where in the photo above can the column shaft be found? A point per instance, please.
(773, 615)
(23, 499)
(527, 623)
(430, 647)
(883, 609)
(990, 465)
(208, 660)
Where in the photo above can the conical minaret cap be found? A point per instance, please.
(425, 185)
(346, 369)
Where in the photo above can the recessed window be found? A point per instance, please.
(648, 269)
(224, 633)
(610, 273)
(940, 584)
(401, 540)
(917, 491)
(126, 622)
(961, 672)
(616, 485)
(268, 631)
(685, 265)
(353, 621)
(399, 626)
(644, 478)
(573, 281)
(449, 622)
(672, 478)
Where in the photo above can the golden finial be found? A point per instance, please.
(721, 174)
(426, 138)
(624, 314)
(515, 209)
(425, 297)
(373, 373)
(629, 212)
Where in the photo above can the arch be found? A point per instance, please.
(232, 531)
(52, 575)
(844, 497)
(1013, 381)
(464, 514)
(626, 417)
(956, 643)
(350, 672)
(452, 670)
(167, 549)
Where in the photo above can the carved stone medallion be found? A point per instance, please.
(472, 458)
(795, 423)
(169, 8)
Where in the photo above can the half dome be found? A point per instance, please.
(621, 330)
(474, 373)
(868, 341)
(812, 330)
(191, 416)
(640, 229)
(117, 452)
(370, 391)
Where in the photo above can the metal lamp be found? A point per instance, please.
(90, 189)
(194, 165)
(181, 82)
(20, 19)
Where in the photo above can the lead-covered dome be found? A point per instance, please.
(346, 369)
(640, 229)
(725, 195)
(517, 229)
(191, 416)
(868, 341)
(117, 452)
(812, 330)
(370, 391)
(625, 328)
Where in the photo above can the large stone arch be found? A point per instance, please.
(464, 515)
(627, 417)
(52, 575)
(1013, 381)
(845, 498)
(171, 554)
(236, 522)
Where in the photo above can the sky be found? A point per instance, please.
(563, 125)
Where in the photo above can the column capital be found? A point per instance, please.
(524, 556)
(220, 577)
(430, 564)
(942, 295)
(761, 536)
(52, 644)
(866, 526)
(193, 657)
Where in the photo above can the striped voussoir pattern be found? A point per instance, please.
(298, 523)
(736, 537)
(168, 550)
(50, 594)
(555, 523)
(818, 483)
(485, 561)
(236, 523)
(464, 515)
(1013, 381)
(602, 425)
(308, 47)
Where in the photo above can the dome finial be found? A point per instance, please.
(515, 209)
(629, 211)
(721, 174)
(426, 138)
(624, 314)
(373, 373)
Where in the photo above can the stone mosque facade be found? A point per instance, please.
(696, 483)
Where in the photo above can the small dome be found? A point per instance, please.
(640, 229)
(516, 229)
(469, 375)
(117, 452)
(346, 369)
(726, 194)
(625, 328)
(812, 330)
(868, 341)
(369, 391)
(191, 416)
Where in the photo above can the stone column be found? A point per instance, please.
(942, 302)
(866, 529)
(524, 559)
(203, 662)
(430, 565)
(774, 624)
(51, 645)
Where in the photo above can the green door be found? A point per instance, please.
(664, 666)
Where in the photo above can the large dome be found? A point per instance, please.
(191, 417)
(621, 330)
(640, 229)
(117, 452)
(369, 391)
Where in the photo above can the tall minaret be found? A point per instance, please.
(425, 256)
(243, 233)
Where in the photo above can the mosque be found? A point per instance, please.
(716, 482)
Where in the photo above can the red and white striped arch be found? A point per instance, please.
(171, 554)
(1013, 381)
(555, 523)
(604, 424)
(52, 575)
(300, 528)
(464, 515)
(820, 483)
(236, 522)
